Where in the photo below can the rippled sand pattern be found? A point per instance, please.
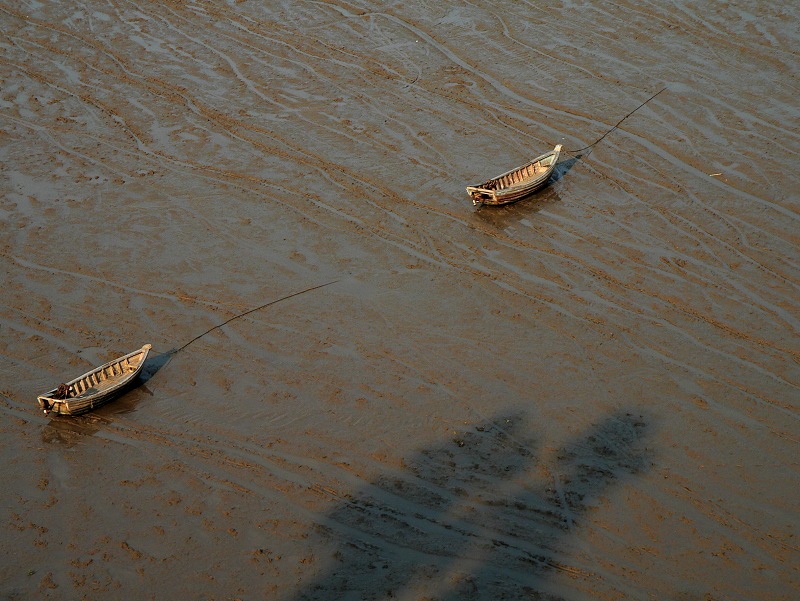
(589, 394)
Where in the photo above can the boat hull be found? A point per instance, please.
(96, 387)
(518, 183)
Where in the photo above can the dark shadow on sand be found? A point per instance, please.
(129, 400)
(477, 517)
(155, 362)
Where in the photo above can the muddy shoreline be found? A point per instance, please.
(588, 394)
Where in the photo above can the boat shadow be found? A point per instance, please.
(484, 515)
(155, 362)
(130, 399)
(563, 167)
(503, 215)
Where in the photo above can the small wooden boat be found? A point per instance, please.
(96, 387)
(517, 183)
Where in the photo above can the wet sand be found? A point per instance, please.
(590, 394)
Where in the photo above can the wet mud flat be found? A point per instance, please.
(589, 394)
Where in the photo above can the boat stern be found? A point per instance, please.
(46, 403)
(481, 195)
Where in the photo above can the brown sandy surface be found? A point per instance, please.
(590, 394)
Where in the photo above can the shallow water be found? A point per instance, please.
(589, 394)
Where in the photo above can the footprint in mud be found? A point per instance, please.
(478, 517)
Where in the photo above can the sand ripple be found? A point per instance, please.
(592, 393)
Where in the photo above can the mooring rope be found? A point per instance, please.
(248, 312)
(616, 126)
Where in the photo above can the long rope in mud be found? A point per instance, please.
(249, 311)
(616, 126)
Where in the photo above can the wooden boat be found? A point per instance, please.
(517, 183)
(96, 387)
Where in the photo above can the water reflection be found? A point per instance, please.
(503, 215)
(69, 431)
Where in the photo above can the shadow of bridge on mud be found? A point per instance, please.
(483, 516)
